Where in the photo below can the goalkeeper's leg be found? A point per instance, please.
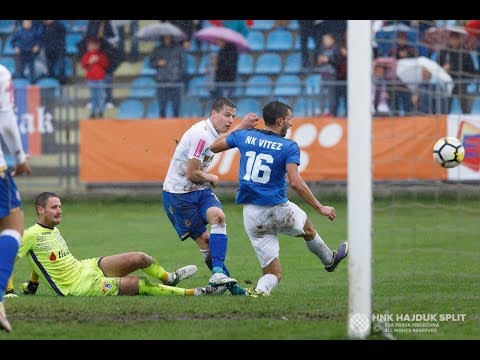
(31, 287)
(146, 287)
(168, 278)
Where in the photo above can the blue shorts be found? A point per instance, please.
(9, 195)
(188, 212)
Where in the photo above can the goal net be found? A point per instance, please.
(413, 226)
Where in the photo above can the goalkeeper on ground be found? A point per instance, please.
(50, 258)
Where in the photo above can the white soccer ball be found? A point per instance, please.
(448, 152)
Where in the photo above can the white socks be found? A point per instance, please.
(319, 248)
(266, 283)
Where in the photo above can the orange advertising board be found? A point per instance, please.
(134, 151)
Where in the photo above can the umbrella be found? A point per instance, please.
(438, 36)
(213, 33)
(153, 32)
(219, 22)
(388, 35)
(473, 28)
(409, 71)
(396, 28)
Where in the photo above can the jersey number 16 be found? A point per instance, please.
(256, 169)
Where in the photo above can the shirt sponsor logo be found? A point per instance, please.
(199, 149)
(63, 253)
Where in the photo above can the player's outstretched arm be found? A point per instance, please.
(196, 175)
(249, 121)
(301, 188)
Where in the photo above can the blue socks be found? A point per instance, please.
(218, 245)
(9, 243)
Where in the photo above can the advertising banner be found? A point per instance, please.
(466, 128)
(134, 151)
(34, 108)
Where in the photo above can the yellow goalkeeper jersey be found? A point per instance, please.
(48, 254)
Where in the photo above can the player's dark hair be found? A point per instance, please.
(273, 110)
(219, 103)
(42, 198)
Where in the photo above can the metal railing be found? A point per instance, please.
(58, 118)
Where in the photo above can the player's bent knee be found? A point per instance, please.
(136, 259)
(144, 259)
(216, 216)
(310, 231)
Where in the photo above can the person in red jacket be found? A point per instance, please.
(95, 62)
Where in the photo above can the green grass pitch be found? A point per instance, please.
(425, 261)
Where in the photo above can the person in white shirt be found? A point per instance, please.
(188, 199)
(11, 213)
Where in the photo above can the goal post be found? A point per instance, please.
(359, 179)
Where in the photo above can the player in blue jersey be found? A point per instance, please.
(267, 158)
(11, 213)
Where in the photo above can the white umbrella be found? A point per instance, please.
(153, 32)
(438, 36)
(400, 27)
(410, 72)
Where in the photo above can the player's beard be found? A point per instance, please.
(285, 130)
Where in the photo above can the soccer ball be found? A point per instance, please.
(448, 152)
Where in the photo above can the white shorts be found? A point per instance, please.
(263, 224)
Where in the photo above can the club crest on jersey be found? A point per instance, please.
(207, 158)
(187, 223)
(106, 286)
